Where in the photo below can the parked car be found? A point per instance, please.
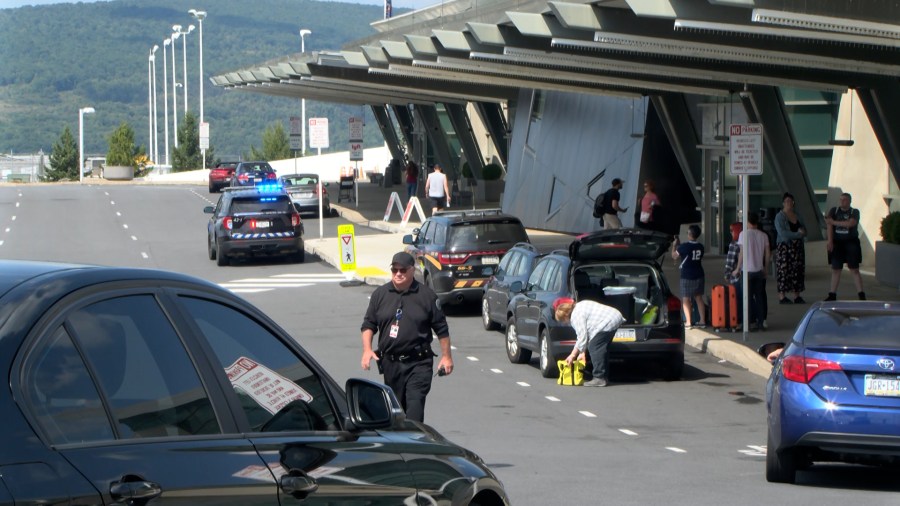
(220, 176)
(304, 192)
(618, 268)
(254, 221)
(252, 174)
(457, 251)
(516, 265)
(834, 392)
(129, 386)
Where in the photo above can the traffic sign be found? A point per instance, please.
(347, 245)
(204, 135)
(318, 132)
(356, 128)
(356, 151)
(296, 137)
(746, 146)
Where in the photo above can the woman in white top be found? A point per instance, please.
(436, 189)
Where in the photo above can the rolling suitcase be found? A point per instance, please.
(724, 307)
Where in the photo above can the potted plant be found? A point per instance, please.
(121, 154)
(492, 174)
(887, 252)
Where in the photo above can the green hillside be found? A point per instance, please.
(56, 59)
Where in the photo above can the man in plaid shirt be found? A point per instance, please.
(731, 258)
(595, 326)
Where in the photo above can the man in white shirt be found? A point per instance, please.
(755, 244)
(595, 326)
(436, 189)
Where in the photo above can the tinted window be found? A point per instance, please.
(281, 204)
(506, 260)
(440, 233)
(853, 329)
(548, 276)
(61, 393)
(143, 369)
(536, 274)
(487, 234)
(277, 391)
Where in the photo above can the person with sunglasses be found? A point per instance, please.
(406, 314)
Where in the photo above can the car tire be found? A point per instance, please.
(221, 257)
(547, 364)
(781, 467)
(514, 352)
(486, 315)
(210, 249)
(674, 368)
(299, 257)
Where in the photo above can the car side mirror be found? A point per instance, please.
(408, 239)
(209, 209)
(372, 405)
(516, 286)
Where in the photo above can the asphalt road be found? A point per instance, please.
(640, 441)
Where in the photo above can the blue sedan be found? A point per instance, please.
(834, 392)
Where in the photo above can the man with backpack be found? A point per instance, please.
(606, 207)
(843, 245)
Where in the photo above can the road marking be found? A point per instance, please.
(134, 238)
(522, 384)
(497, 371)
(256, 285)
(552, 399)
(14, 218)
(588, 414)
(1, 243)
(125, 226)
(628, 432)
(113, 202)
(473, 359)
(144, 255)
(7, 229)
(118, 214)
(264, 285)
(17, 204)
(754, 451)
(248, 290)
(676, 450)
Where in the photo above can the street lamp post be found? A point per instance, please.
(200, 15)
(184, 34)
(303, 33)
(81, 113)
(150, 97)
(174, 92)
(166, 44)
(154, 139)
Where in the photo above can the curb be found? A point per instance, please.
(730, 351)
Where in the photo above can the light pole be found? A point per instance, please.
(166, 94)
(154, 140)
(174, 92)
(200, 15)
(150, 96)
(303, 33)
(184, 34)
(81, 113)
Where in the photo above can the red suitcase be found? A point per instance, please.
(724, 307)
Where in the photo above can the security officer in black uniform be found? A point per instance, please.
(404, 312)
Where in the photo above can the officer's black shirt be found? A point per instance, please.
(421, 315)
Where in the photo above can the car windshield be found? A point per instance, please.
(856, 329)
(262, 167)
(486, 234)
(280, 204)
(301, 180)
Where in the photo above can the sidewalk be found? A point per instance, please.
(374, 252)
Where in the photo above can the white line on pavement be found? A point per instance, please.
(264, 285)
(134, 238)
(144, 255)
(497, 371)
(588, 414)
(676, 450)
(552, 399)
(628, 432)
(522, 384)
(473, 359)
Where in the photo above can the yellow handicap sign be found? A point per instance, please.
(347, 245)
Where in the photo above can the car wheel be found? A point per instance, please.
(221, 257)
(300, 257)
(548, 365)
(674, 368)
(780, 467)
(210, 249)
(514, 352)
(486, 315)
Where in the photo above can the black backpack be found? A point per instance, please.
(599, 205)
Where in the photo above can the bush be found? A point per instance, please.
(491, 172)
(121, 147)
(890, 228)
(466, 171)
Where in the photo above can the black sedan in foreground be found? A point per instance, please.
(129, 386)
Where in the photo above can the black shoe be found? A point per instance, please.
(785, 300)
(862, 295)
(799, 300)
(831, 296)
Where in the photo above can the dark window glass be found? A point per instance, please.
(854, 329)
(278, 392)
(143, 369)
(536, 274)
(546, 281)
(503, 268)
(440, 233)
(61, 393)
(487, 235)
(281, 204)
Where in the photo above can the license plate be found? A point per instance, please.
(263, 224)
(490, 260)
(302, 195)
(624, 336)
(882, 386)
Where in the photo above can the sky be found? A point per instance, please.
(415, 4)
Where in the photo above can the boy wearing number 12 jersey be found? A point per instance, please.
(689, 256)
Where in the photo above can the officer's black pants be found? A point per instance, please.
(411, 382)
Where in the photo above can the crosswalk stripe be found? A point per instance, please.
(250, 290)
(256, 285)
(263, 284)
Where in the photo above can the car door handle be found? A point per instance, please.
(298, 484)
(137, 490)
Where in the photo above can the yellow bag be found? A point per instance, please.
(570, 375)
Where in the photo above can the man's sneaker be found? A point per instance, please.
(862, 295)
(596, 382)
(700, 325)
(765, 325)
(799, 300)
(831, 296)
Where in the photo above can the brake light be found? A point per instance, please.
(227, 223)
(453, 258)
(295, 220)
(251, 224)
(242, 177)
(802, 369)
(270, 175)
(673, 304)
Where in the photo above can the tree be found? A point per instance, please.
(122, 150)
(63, 158)
(275, 144)
(187, 156)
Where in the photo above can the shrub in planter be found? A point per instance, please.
(121, 147)
(890, 228)
(491, 172)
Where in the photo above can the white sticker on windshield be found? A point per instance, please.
(269, 389)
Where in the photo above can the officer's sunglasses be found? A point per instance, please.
(395, 270)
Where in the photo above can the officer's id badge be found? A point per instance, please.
(395, 329)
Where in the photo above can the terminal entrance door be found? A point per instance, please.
(719, 200)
